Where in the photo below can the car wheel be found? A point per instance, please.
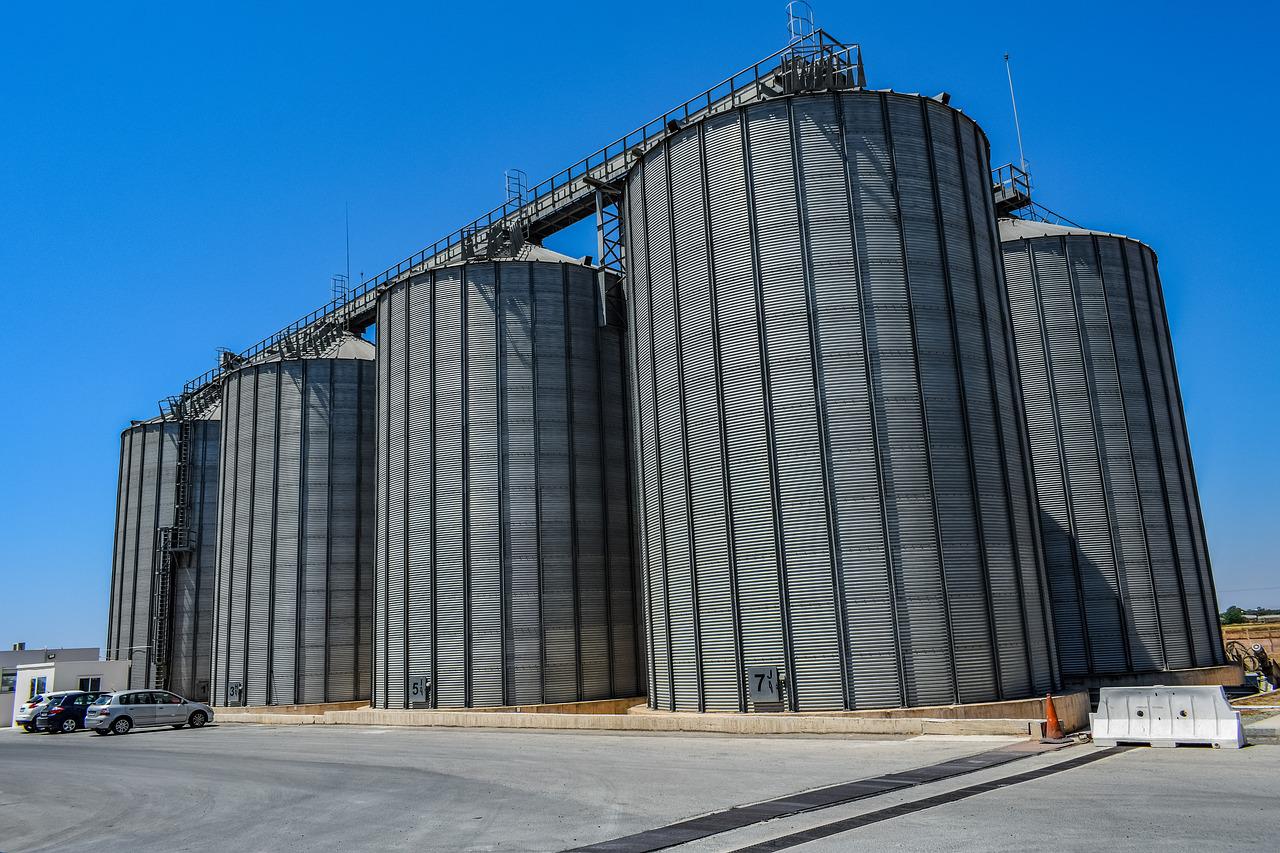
(122, 726)
(102, 732)
(198, 719)
(28, 727)
(68, 726)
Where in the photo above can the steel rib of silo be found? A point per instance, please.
(861, 276)
(683, 433)
(1052, 406)
(1193, 498)
(919, 378)
(1157, 452)
(1030, 497)
(1001, 439)
(1181, 456)
(962, 391)
(789, 690)
(725, 487)
(640, 547)
(1123, 607)
(802, 204)
(1143, 535)
(1120, 545)
(1161, 450)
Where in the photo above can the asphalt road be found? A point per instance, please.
(251, 788)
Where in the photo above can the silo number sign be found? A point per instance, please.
(762, 684)
(419, 689)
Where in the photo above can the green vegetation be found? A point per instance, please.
(1233, 616)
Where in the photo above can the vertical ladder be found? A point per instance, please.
(174, 541)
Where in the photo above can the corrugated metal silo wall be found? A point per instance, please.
(1127, 560)
(832, 461)
(505, 571)
(295, 548)
(144, 503)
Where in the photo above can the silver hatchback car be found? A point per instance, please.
(125, 710)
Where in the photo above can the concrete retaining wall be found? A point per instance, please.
(315, 708)
(1230, 675)
(1072, 709)
(747, 724)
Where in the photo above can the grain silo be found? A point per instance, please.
(145, 506)
(294, 614)
(1127, 561)
(504, 529)
(833, 475)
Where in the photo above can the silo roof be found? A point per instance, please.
(534, 252)
(528, 252)
(213, 414)
(351, 346)
(1026, 229)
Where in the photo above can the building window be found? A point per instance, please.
(91, 682)
(8, 680)
(37, 686)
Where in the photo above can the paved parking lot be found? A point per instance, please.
(249, 788)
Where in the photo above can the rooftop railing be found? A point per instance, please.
(812, 62)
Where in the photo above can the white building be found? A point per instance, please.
(19, 655)
(55, 675)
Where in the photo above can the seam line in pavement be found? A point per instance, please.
(738, 817)
(817, 833)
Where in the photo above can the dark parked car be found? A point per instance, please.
(65, 713)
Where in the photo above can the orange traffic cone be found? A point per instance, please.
(1052, 726)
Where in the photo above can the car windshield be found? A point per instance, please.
(104, 699)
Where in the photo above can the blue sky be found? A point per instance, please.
(172, 181)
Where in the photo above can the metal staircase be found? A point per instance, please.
(812, 61)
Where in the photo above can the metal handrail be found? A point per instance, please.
(1011, 178)
(605, 164)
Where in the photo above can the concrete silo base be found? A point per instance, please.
(1228, 675)
(313, 708)
(1019, 719)
(1072, 707)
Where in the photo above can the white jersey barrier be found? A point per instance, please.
(1166, 716)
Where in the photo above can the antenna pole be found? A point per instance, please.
(347, 215)
(1022, 158)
